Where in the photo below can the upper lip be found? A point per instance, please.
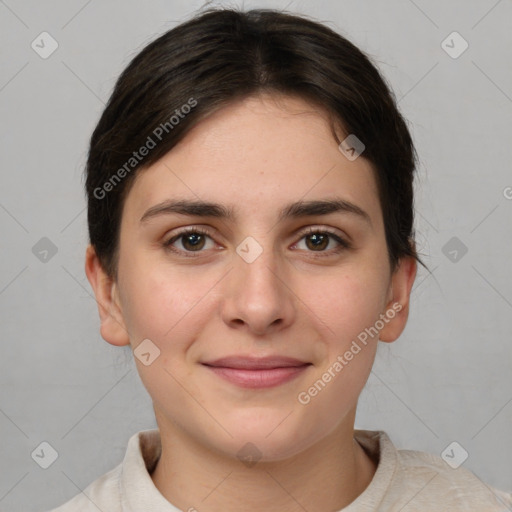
(255, 363)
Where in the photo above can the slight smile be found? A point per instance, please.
(255, 373)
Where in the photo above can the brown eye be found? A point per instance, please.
(193, 240)
(319, 241)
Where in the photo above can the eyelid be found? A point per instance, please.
(322, 229)
(344, 241)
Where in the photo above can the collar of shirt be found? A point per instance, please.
(138, 492)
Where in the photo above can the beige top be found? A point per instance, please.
(405, 480)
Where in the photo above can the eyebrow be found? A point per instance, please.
(294, 210)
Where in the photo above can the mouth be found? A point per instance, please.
(253, 373)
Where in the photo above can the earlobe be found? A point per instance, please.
(397, 308)
(113, 329)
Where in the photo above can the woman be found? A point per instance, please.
(250, 210)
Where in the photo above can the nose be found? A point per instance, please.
(259, 295)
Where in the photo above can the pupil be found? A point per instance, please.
(318, 240)
(193, 240)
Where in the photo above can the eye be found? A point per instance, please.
(317, 240)
(193, 240)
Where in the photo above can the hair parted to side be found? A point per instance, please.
(222, 55)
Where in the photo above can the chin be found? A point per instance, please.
(269, 437)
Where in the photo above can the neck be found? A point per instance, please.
(327, 476)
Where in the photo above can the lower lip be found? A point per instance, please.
(258, 378)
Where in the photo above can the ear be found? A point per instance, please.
(397, 307)
(113, 329)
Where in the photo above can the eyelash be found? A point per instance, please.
(343, 244)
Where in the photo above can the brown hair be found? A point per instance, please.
(222, 55)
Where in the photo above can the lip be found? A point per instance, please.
(252, 372)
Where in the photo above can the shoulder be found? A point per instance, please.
(435, 482)
(128, 482)
(103, 492)
(421, 481)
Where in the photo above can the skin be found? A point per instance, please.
(295, 299)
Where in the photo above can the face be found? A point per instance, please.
(254, 278)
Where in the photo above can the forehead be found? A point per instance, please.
(254, 156)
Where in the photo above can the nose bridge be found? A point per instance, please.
(256, 263)
(258, 296)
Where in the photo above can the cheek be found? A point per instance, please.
(170, 310)
(346, 303)
(347, 311)
(164, 306)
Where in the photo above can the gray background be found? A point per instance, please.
(449, 375)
